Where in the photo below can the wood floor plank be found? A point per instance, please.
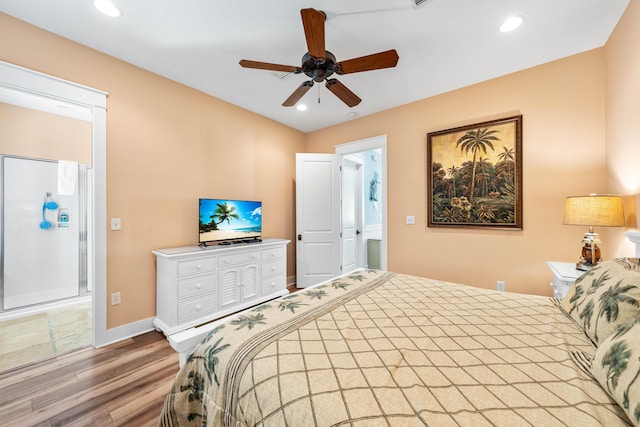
(100, 402)
(97, 398)
(122, 384)
(122, 364)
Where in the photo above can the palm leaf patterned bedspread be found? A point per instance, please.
(377, 348)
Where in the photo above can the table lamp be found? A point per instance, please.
(594, 210)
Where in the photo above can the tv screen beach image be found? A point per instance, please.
(229, 220)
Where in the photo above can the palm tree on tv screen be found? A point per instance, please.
(223, 213)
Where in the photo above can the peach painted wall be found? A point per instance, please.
(623, 124)
(562, 104)
(167, 145)
(29, 133)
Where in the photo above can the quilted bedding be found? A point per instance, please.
(377, 348)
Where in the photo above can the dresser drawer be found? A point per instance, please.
(197, 308)
(273, 284)
(196, 285)
(200, 265)
(273, 254)
(276, 268)
(241, 258)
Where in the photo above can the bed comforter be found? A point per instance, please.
(377, 348)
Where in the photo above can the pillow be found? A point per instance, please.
(605, 297)
(616, 366)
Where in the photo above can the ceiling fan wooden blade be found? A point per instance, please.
(297, 94)
(342, 92)
(375, 61)
(313, 22)
(267, 66)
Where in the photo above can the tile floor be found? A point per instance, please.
(40, 336)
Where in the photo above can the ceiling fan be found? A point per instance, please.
(320, 64)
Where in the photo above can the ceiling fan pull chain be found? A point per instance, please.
(318, 94)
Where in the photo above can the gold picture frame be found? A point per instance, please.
(474, 176)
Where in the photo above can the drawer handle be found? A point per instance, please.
(198, 285)
(198, 267)
(198, 307)
(273, 269)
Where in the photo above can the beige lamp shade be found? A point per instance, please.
(595, 210)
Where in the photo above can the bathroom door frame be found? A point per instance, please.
(16, 80)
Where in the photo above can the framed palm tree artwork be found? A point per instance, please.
(474, 177)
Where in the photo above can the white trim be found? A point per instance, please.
(129, 330)
(37, 83)
(33, 82)
(376, 142)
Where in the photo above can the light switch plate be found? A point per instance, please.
(411, 219)
(116, 224)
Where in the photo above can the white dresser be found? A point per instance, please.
(195, 285)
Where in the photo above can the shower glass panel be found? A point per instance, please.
(43, 227)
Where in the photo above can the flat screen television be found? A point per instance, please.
(225, 220)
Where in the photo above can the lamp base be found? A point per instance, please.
(590, 255)
(584, 266)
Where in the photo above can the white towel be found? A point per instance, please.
(67, 177)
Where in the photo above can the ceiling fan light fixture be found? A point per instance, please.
(318, 64)
(301, 107)
(108, 8)
(511, 23)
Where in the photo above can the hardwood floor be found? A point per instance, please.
(123, 384)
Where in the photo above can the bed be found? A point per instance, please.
(378, 348)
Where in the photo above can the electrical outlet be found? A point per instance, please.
(500, 285)
(115, 298)
(116, 224)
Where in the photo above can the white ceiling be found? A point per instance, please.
(443, 44)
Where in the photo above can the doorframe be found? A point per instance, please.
(376, 142)
(24, 80)
(360, 258)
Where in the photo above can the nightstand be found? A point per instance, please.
(564, 276)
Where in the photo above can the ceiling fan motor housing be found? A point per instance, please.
(319, 69)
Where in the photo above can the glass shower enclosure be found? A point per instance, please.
(43, 244)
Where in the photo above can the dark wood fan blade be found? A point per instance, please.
(297, 94)
(313, 22)
(267, 66)
(376, 61)
(343, 92)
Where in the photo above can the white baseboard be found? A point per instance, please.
(129, 330)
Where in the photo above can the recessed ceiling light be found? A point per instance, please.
(301, 107)
(352, 114)
(511, 23)
(107, 7)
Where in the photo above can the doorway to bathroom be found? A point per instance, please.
(341, 210)
(45, 294)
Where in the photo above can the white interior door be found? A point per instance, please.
(317, 218)
(352, 219)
